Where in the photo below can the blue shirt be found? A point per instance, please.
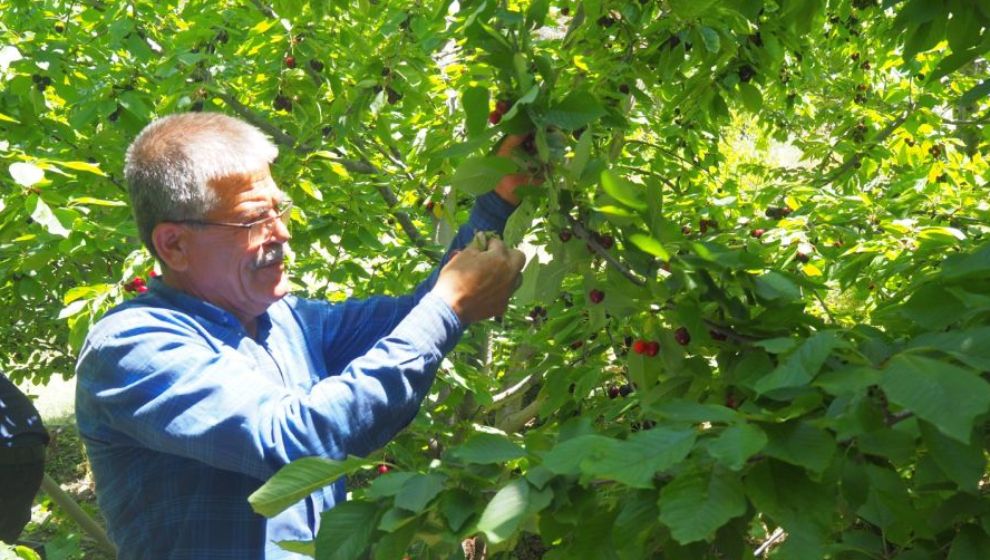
(184, 415)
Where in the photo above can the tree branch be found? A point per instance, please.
(582, 232)
(849, 163)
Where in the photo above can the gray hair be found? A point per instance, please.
(171, 163)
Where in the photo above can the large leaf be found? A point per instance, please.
(345, 531)
(799, 368)
(299, 479)
(948, 396)
(622, 190)
(510, 506)
(963, 464)
(419, 490)
(484, 448)
(478, 175)
(475, 102)
(736, 444)
(578, 109)
(696, 503)
(801, 443)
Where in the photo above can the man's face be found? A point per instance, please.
(237, 269)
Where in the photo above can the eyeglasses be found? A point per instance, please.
(258, 230)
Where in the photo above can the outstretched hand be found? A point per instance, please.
(477, 282)
(507, 186)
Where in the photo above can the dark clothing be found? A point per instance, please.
(22, 458)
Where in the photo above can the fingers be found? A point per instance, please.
(517, 259)
(511, 142)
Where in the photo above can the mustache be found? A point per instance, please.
(272, 254)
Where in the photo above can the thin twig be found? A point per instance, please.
(582, 232)
(774, 537)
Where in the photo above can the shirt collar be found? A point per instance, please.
(203, 309)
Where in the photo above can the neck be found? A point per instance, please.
(178, 282)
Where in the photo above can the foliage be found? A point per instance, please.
(788, 196)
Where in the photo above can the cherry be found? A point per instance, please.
(686, 230)
(802, 257)
(652, 348)
(494, 117)
(716, 335)
(746, 73)
(503, 106)
(626, 390)
(316, 65)
(606, 21)
(383, 469)
(290, 61)
(640, 346)
(758, 232)
(59, 27)
(596, 296)
(606, 241)
(613, 391)
(282, 103)
(565, 11)
(730, 401)
(624, 89)
(577, 344)
(565, 235)
(682, 336)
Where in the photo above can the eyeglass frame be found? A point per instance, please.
(282, 214)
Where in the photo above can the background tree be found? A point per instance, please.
(756, 318)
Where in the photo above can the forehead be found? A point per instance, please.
(249, 189)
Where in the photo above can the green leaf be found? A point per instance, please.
(736, 444)
(971, 543)
(419, 490)
(622, 190)
(345, 531)
(948, 396)
(801, 443)
(648, 244)
(389, 484)
(82, 166)
(634, 462)
(849, 380)
(979, 91)
(751, 97)
(695, 504)
(578, 109)
(478, 175)
(970, 346)
(800, 367)
(299, 479)
(711, 39)
(485, 448)
(307, 548)
(503, 515)
(963, 464)
(681, 410)
(88, 200)
(776, 286)
(43, 215)
(689, 9)
(457, 507)
(475, 103)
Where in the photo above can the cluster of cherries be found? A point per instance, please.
(138, 284)
(646, 347)
(501, 107)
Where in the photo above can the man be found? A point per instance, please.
(193, 394)
(22, 459)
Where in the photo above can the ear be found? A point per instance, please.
(172, 244)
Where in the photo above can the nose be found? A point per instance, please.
(280, 231)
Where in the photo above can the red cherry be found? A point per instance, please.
(153, 274)
(577, 344)
(503, 106)
(596, 296)
(290, 61)
(640, 346)
(652, 348)
(565, 235)
(383, 469)
(682, 336)
(613, 391)
(757, 233)
(494, 117)
(686, 230)
(606, 241)
(802, 257)
(141, 289)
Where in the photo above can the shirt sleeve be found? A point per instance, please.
(352, 327)
(165, 386)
